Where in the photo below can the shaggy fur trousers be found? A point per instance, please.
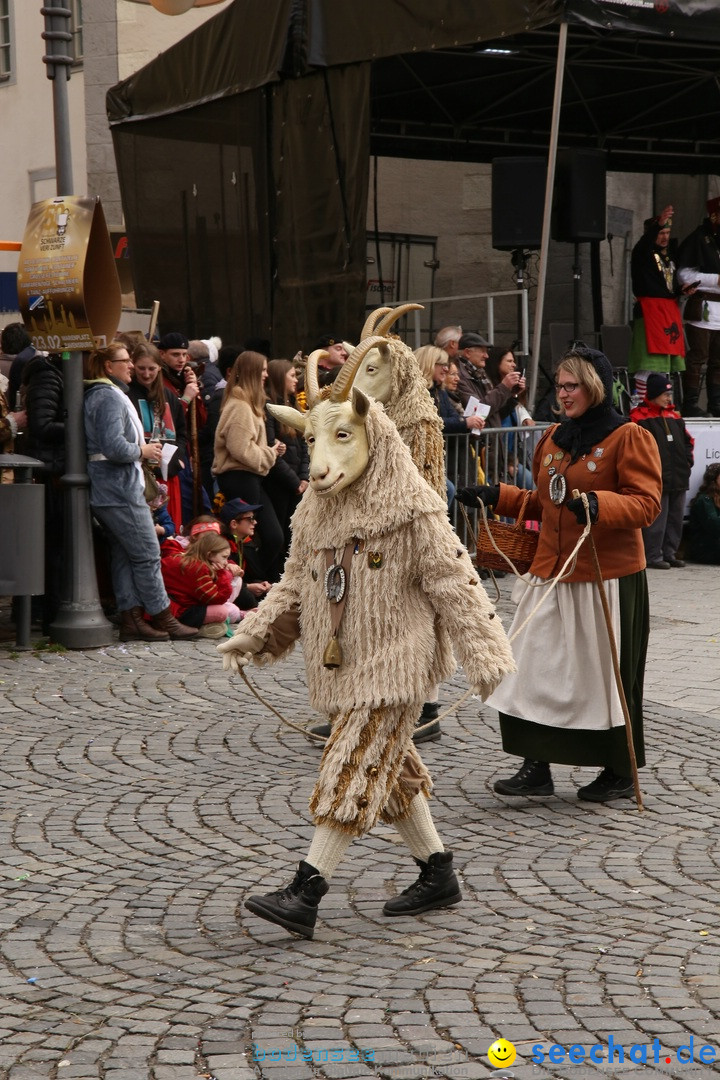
(370, 769)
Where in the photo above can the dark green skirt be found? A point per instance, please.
(586, 747)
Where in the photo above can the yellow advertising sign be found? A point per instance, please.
(68, 286)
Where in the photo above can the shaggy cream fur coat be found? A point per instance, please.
(413, 595)
(413, 412)
(413, 592)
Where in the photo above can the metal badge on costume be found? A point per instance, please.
(558, 489)
(336, 582)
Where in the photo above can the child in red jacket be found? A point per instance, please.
(201, 583)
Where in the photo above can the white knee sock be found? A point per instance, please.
(418, 830)
(327, 848)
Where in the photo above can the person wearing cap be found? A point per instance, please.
(337, 354)
(329, 364)
(657, 343)
(238, 522)
(698, 260)
(475, 382)
(563, 706)
(178, 374)
(675, 446)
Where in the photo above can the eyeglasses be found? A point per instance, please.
(248, 517)
(442, 367)
(566, 387)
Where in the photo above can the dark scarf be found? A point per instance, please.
(579, 436)
(176, 379)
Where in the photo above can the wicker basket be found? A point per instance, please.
(516, 542)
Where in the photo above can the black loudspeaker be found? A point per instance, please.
(580, 198)
(518, 196)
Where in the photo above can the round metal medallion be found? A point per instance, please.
(335, 583)
(558, 489)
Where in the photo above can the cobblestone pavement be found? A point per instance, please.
(144, 793)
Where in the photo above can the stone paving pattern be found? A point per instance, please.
(144, 793)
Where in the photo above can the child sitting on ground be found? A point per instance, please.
(201, 582)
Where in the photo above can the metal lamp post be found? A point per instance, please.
(80, 622)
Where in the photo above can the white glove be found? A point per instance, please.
(239, 650)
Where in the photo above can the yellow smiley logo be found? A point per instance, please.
(501, 1053)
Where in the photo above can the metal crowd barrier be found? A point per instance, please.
(496, 455)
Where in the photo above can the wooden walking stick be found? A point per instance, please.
(195, 458)
(613, 653)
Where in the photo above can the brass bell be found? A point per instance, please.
(332, 657)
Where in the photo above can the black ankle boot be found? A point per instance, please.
(430, 711)
(295, 907)
(437, 887)
(532, 778)
(607, 785)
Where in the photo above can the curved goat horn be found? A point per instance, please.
(395, 313)
(312, 383)
(373, 318)
(343, 384)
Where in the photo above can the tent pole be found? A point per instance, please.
(547, 210)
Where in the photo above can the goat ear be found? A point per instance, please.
(360, 403)
(292, 418)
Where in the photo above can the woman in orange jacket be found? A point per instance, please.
(563, 705)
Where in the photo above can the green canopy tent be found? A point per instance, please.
(243, 151)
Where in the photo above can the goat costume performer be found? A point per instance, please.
(409, 593)
(389, 373)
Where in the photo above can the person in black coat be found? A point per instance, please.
(287, 480)
(675, 445)
(42, 382)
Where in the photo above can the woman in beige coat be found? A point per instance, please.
(242, 455)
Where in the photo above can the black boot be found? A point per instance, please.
(437, 887)
(430, 711)
(321, 729)
(607, 785)
(713, 394)
(532, 778)
(690, 406)
(295, 907)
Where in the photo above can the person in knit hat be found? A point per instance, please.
(562, 705)
(675, 446)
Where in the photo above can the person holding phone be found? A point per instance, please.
(658, 342)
